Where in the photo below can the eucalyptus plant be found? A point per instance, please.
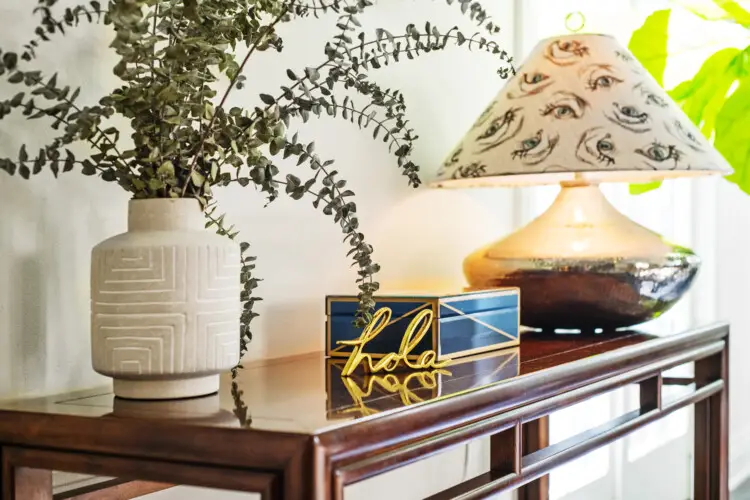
(717, 97)
(184, 141)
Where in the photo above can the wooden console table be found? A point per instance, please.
(295, 429)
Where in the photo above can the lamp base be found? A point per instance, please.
(582, 265)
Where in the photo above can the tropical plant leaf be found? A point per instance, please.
(720, 10)
(649, 43)
(645, 187)
(732, 125)
(702, 97)
(705, 9)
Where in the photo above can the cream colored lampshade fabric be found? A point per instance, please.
(580, 108)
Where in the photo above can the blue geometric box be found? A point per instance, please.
(464, 324)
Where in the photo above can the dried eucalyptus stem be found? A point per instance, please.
(183, 143)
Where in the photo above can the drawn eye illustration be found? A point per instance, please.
(623, 56)
(649, 96)
(535, 149)
(629, 117)
(527, 145)
(534, 79)
(530, 84)
(500, 130)
(454, 157)
(566, 53)
(685, 135)
(596, 148)
(484, 116)
(600, 77)
(656, 100)
(565, 106)
(472, 170)
(451, 161)
(659, 156)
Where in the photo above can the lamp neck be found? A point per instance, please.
(578, 183)
(581, 203)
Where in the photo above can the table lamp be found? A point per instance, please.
(579, 112)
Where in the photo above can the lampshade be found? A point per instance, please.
(580, 108)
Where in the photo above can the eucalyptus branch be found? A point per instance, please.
(247, 280)
(232, 84)
(92, 141)
(476, 13)
(241, 410)
(50, 25)
(61, 96)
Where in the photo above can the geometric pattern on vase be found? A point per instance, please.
(162, 310)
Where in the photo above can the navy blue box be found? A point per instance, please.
(464, 324)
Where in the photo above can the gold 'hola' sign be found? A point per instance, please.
(416, 330)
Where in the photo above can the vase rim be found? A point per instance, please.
(165, 214)
(172, 200)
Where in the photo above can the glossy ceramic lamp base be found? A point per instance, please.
(583, 265)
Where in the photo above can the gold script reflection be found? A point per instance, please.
(364, 393)
(393, 384)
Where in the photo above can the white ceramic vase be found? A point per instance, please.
(165, 303)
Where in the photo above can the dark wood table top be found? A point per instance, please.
(307, 395)
(295, 429)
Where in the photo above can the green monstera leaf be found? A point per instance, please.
(719, 10)
(717, 98)
(732, 131)
(649, 45)
(702, 97)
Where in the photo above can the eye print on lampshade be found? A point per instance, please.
(600, 77)
(629, 117)
(566, 52)
(596, 147)
(658, 156)
(531, 84)
(624, 57)
(472, 170)
(649, 96)
(683, 134)
(499, 130)
(452, 161)
(565, 105)
(484, 116)
(535, 149)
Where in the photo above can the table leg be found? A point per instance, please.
(22, 483)
(535, 437)
(711, 480)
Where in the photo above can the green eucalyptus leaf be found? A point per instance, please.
(155, 184)
(166, 169)
(16, 77)
(197, 178)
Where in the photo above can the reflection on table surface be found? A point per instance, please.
(307, 393)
